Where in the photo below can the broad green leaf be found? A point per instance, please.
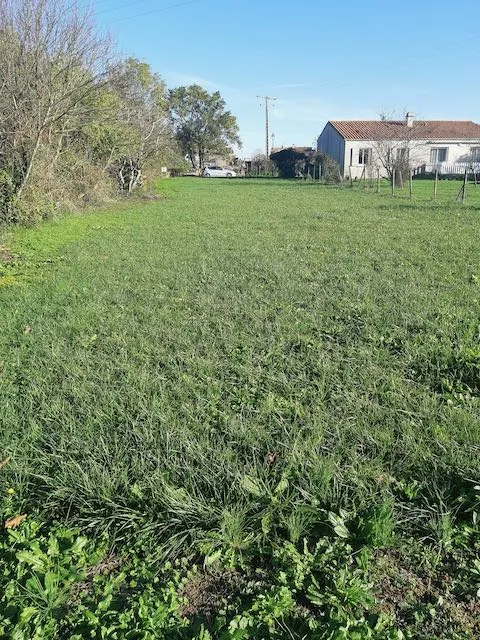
(266, 524)
(78, 546)
(315, 595)
(338, 524)
(53, 547)
(32, 559)
(282, 486)
(213, 557)
(51, 581)
(26, 615)
(341, 531)
(252, 485)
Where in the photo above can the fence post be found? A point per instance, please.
(393, 182)
(435, 186)
(378, 180)
(411, 183)
(463, 190)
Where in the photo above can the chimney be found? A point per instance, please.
(409, 120)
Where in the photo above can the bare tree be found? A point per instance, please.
(262, 165)
(52, 59)
(395, 149)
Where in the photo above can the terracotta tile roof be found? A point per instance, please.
(397, 130)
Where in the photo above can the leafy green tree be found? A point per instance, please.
(143, 129)
(201, 123)
(130, 128)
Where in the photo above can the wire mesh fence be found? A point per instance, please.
(453, 190)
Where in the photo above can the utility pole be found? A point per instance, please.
(267, 141)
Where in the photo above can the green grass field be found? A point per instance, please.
(229, 363)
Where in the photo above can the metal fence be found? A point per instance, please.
(447, 169)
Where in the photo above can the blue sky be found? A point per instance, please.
(321, 60)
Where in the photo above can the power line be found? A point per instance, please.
(267, 140)
(120, 6)
(93, 3)
(148, 13)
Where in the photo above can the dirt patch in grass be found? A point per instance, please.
(206, 593)
(143, 197)
(427, 601)
(5, 256)
(111, 564)
(152, 196)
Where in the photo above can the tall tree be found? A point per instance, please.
(201, 123)
(144, 129)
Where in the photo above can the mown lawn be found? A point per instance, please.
(231, 363)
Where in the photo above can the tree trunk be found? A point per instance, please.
(30, 162)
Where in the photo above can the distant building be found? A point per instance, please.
(359, 146)
(219, 160)
(292, 162)
(299, 149)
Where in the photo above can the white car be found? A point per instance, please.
(218, 172)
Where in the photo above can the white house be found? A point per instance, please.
(364, 145)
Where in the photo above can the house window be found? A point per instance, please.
(403, 154)
(365, 156)
(438, 155)
(475, 154)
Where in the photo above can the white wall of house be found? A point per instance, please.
(420, 153)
